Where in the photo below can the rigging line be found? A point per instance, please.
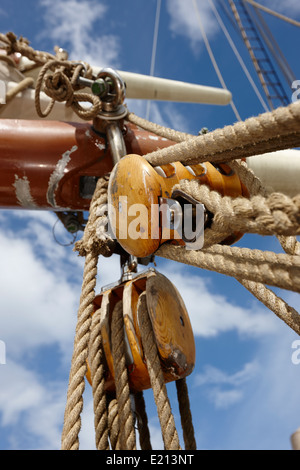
(274, 47)
(274, 13)
(245, 37)
(238, 56)
(229, 16)
(212, 58)
(154, 46)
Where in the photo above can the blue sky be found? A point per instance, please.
(244, 391)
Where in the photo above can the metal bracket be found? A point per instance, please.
(171, 212)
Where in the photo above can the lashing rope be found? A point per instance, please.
(252, 268)
(263, 212)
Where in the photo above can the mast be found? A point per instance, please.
(265, 70)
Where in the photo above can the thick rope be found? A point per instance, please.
(96, 359)
(275, 130)
(74, 406)
(21, 45)
(72, 420)
(214, 235)
(57, 81)
(91, 241)
(169, 432)
(274, 303)
(208, 143)
(57, 78)
(290, 244)
(114, 425)
(275, 269)
(277, 214)
(263, 213)
(128, 441)
(21, 86)
(252, 269)
(8, 60)
(142, 421)
(185, 414)
(162, 131)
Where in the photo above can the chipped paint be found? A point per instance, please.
(153, 137)
(23, 194)
(100, 145)
(57, 175)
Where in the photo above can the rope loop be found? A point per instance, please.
(59, 88)
(59, 80)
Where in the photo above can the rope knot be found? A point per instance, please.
(12, 43)
(58, 87)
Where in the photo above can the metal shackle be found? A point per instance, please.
(112, 101)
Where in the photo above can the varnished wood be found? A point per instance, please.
(133, 179)
(170, 322)
(171, 326)
(136, 180)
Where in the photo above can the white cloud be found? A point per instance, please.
(40, 283)
(184, 20)
(39, 297)
(287, 7)
(212, 314)
(71, 24)
(213, 375)
(30, 409)
(223, 389)
(223, 399)
(39, 291)
(270, 407)
(167, 115)
(162, 113)
(38, 306)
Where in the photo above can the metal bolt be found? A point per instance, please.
(99, 87)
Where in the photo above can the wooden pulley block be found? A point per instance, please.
(137, 190)
(170, 323)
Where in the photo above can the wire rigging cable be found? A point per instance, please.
(274, 13)
(154, 46)
(273, 46)
(238, 56)
(212, 57)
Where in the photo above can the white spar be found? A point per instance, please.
(280, 171)
(137, 87)
(161, 89)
